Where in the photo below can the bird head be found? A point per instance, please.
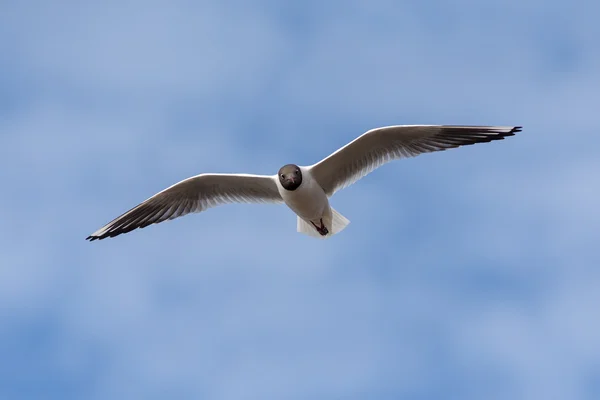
(290, 177)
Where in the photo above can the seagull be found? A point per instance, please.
(306, 190)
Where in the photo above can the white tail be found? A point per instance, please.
(335, 223)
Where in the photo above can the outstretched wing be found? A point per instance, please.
(193, 195)
(381, 145)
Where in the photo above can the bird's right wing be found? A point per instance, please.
(193, 195)
(381, 145)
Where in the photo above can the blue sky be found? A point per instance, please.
(470, 274)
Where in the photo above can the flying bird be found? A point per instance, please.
(306, 190)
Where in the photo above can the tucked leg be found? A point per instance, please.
(321, 229)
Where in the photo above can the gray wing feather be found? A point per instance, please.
(382, 145)
(193, 195)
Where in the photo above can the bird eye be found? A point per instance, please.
(282, 176)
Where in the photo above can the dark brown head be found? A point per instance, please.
(290, 177)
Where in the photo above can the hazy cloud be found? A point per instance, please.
(467, 274)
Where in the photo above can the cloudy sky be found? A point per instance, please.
(467, 274)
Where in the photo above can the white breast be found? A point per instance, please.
(309, 201)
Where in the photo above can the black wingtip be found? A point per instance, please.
(512, 132)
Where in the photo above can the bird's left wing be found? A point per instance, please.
(193, 195)
(381, 145)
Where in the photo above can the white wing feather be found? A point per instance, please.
(381, 145)
(193, 195)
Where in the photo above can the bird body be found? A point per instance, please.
(311, 205)
(306, 190)
(308, 200)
